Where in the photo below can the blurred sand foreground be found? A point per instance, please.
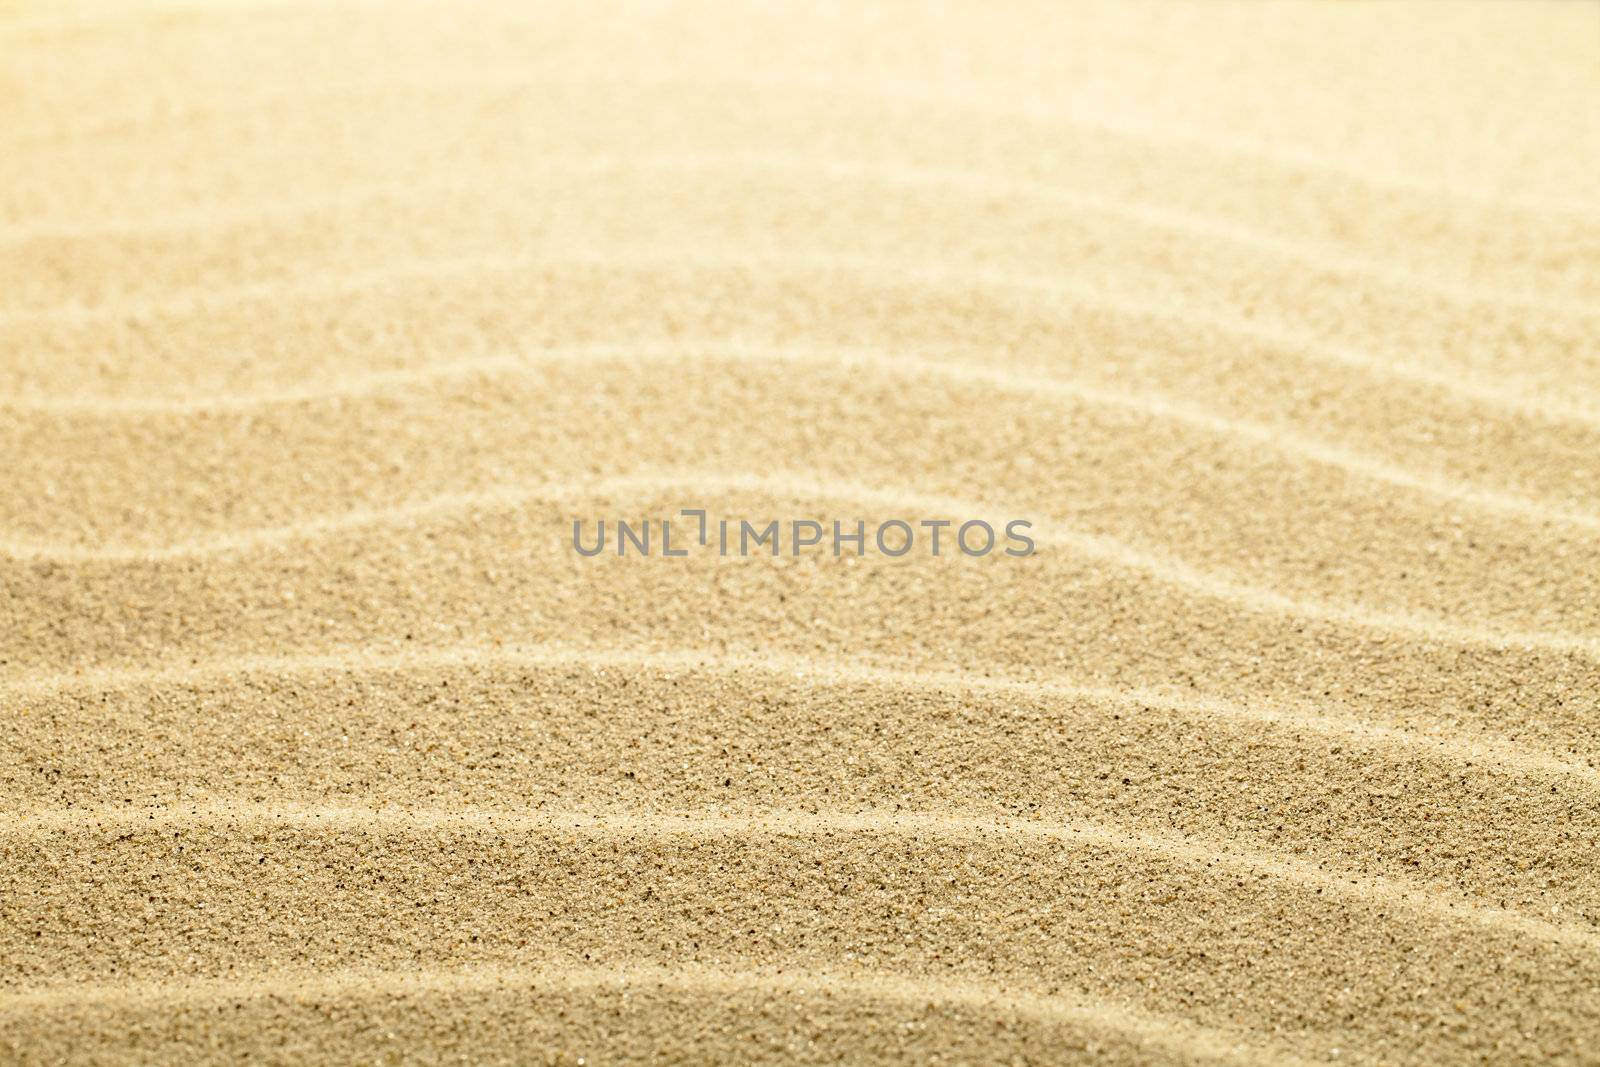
(320, 324)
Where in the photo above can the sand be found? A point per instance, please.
(320, 325)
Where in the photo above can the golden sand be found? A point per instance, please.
(321, 324)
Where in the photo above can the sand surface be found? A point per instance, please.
(321, 323)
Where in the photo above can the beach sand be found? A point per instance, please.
(320, 326)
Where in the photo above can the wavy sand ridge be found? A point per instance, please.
(634, 1010)
(320, 324)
